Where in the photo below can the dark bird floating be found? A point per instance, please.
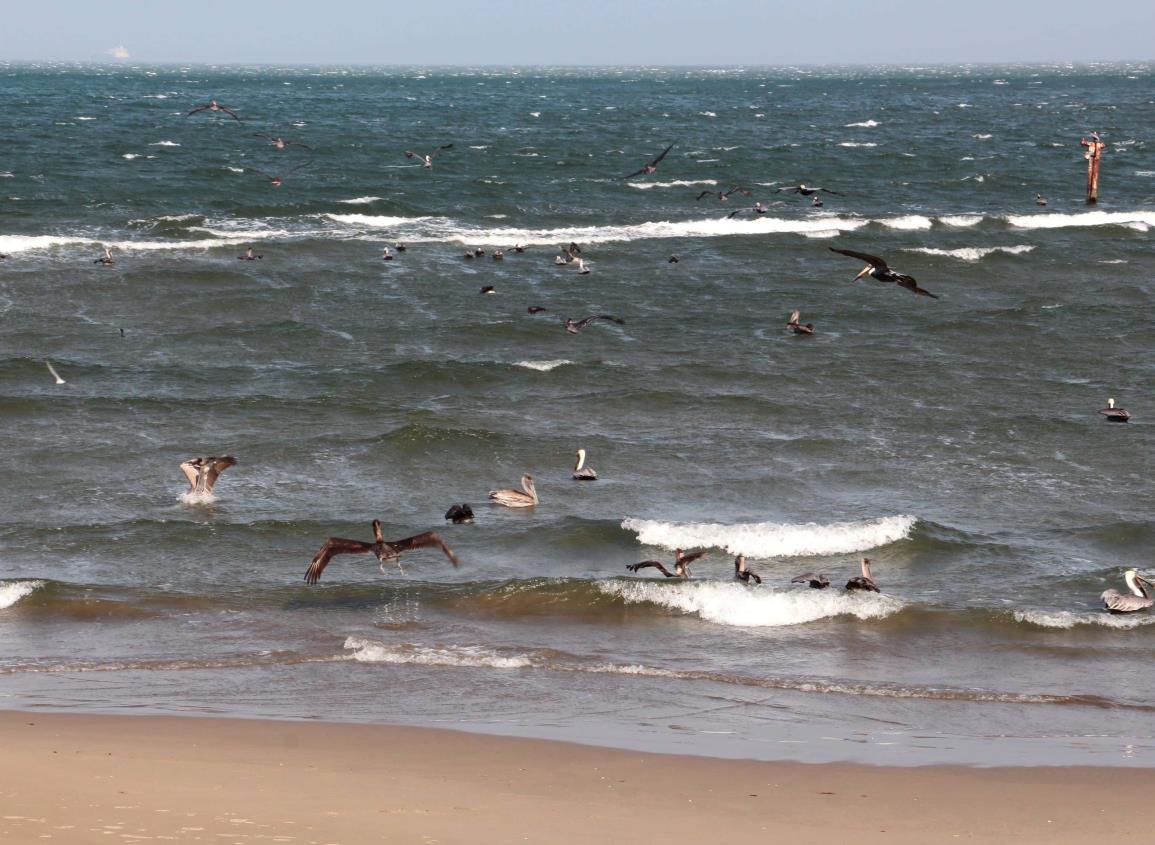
(202, 473)
(863, 581)
(795, 326)
(652, 166)
(213, 105)
(537, 309)
(741, 573)
(879, 271)
(384, 550)
(1114, 414)
(574, 326)
(681, 564)
(280, 143)
(460, 514)
(673, 259)
(106, 260)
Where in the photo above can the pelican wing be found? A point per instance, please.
(737, 189)
(692, 556)
(827, 190)
(635, 173)
(300, 166)
(229, 112)
(812, 578)
(198, 109)
(872, 260)
(585, 321)
(218, 466)
(297, 144)
(793, 189)
(263, 135)
(735, 213)
(411, 154)
(334, 546)
(753, 576)
(665, 152)
(908, 282)
(1117, 602)
(190, 472)
(656, 564)
(423, 541)
(703, 194)
(537, 309)
(446, 147)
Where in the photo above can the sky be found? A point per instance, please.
(576, 32)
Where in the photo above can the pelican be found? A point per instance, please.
(498, 255)
(279, 142)
(797, 327)
(427, 158)
(1138, 597)
(1114, 414)
(386, 255)
(517, 498)
(741, 573)
(574, 326)
(106, 260)
(249, 255)
(877, 269)
(1040, 199)
(55, 374)
(213, 105)
(580, 471)
(276, 181)
(569, 254)
(805, 191)
(681, 564)
(460, 514)
(385, 550)
(401, 247)
(489, 289)
(723, 196)
(653, 165)
(202, 473)
(582, 269)
(812, 579)
(537, 309)
(673, 259)
(863, 581)
(816, 201)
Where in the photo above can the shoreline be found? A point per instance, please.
(193, 778)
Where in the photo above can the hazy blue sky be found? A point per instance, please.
(578, 31)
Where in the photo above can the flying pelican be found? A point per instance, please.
(1138, 597)
(517, 498)
(877, 269)
(427, 158)
(1114, 414)
(276, 181)
(280, 143)
(741, 573)
(106, 260)
(797, 327)
(249, 255)
(55, 374)
(681, 564)
(864, 581)
(580, 471)
(814, 580)
(652, 166)
(757, 208)
(213, 105)
(385, 550)
(1040, 199)
(574, 326)
(805, 191)
(460, 514)
(202, 473)
(569, 254)
(724, 196)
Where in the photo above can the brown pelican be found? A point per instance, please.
(877, 269)
(202, 473)
(460, 514)
(489, 289)
(401, 247)
(1040, 199)
(517, 498)
(863, 581)
(276, 181)
(385, 550)
(805, 191)
(574, 326)
(427, 158)
(478, 252)
(673, 259)
(757, 208)
(249, 255)
(813, 580)
(498, 255)
(816, 201)
(1114, 414)
(652, 166)
(741, 573)
(1138, 597)
(797, 327)
(106, 260)
(386, 255)
(213, 105)
(724, 196)
(55, 374)
(582, 269)
(279, 142)
(681, 564)
(580, 471)
(537, 309)
(569, 255)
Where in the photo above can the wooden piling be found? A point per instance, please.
(1093, 155)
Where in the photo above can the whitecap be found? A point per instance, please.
(961, 220)
(164, 144)
(864, 123)
(369, 651)
(973, 253)
(822, 233)
(130, 156)
(12, 591)
(858, 144)
(235, 169)
(1145, 173)
(982, 136)
(1065, 619)
(1087, 218)
(543, 366)
(908, 222)
(360, 200)
(677, 183)
(707, 114)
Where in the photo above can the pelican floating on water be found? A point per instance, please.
(1139, 597)
(863, 581)
(741, 573)
(249, 255)
(1040, 199)
(107, 260)
(460, 514)
(795, 326)
(574, 326)
(517, 498)
(1114, 414)
(681, 564)
(202, 473)
(877, 269)
(580, 471)
(385, 550)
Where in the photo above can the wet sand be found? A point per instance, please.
(79, 778)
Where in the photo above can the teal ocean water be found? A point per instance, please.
(954, 441)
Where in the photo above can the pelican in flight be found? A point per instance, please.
(813, 580)
(1138, 596)
(280, 143)
(682, 563)
(1114, 414)
(385, 550)
(799, 328)
(723, 196)
(106, 260)
(580, 471)
(276, 181)
(805, 191)
(863, 581)
(741, 573)
(574, 326)
(877, 269)
(202, 473)
(427, 158)
(55, 374)
(653, 165)
(460, 514)
(569, 255)
(757, 208)
(517, 498)
(213, 105)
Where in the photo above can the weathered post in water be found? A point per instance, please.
(1093, 155)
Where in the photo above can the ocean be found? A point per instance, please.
(954, 441)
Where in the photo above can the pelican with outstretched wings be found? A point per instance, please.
(652, 166)
(385, 550)
(879, 270)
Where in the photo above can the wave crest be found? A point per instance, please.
(1065, 619)
(973, 253)
(13, 591)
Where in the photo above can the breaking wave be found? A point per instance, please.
(1065, 619)
(543, 366)
(973, 253)
(12, 591)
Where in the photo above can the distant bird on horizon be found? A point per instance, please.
(574, 326)
(385, 550)
(682, 563)
(805, 190)
(280, 143)
(653, 165)
(213, 105)
(202, 473)
(427, 158)
(877, 269)
(1114, 414)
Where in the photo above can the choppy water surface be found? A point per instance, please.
(954, 441)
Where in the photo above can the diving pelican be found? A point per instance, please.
(1138, 597)
(877, 269)
(1114, 414)
(517, 498)
(279, 142)
(385, 550)
(580, 471)
(460, 514)
(106, 260)
(741, 573)
(202, 473)
(863, 581)
(814, 580)
(797, 327)
(805, 191)
(681, 564)
(574, 326)
(427, 158)
(213, 105)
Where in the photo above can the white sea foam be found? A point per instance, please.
(235, 169)
(1066, 619)
(865, 123)
(164, 144)
(707, 114)
(858, 144)
(543, 366)
(1145, 173)
(360, 200)
(774, 539)
(194, 498)
(374, 221)
(130, 156)
(982, 136)
(822, 233)
(368, 651)
(12, 591)
(1086, 218)
(908, 222)
(961, 220)
(85, 118)
(973, 253)
(738, 605)
(677, 183)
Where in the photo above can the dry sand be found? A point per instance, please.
(85, 779)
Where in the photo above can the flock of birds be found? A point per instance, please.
(202, 473)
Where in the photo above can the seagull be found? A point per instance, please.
(427, 158)
(580, 471)
(249, 255)
(879, 270)
(741, 573)
(652, 166)
(1040, 199)
(681, 564)
(864, 581)
(517, 498)
(280, 143)
(55, 374)
(1138, 596)
(385, 550)
(574, 326)
(276, 181)
(797, 327)
(805, 191)
(202, 473)
(812, 579)
(1114, 414)
(460, 514)
(107, 260)
(213, 105)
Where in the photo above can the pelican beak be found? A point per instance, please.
(863, 272)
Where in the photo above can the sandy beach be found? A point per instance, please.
(79, 778)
